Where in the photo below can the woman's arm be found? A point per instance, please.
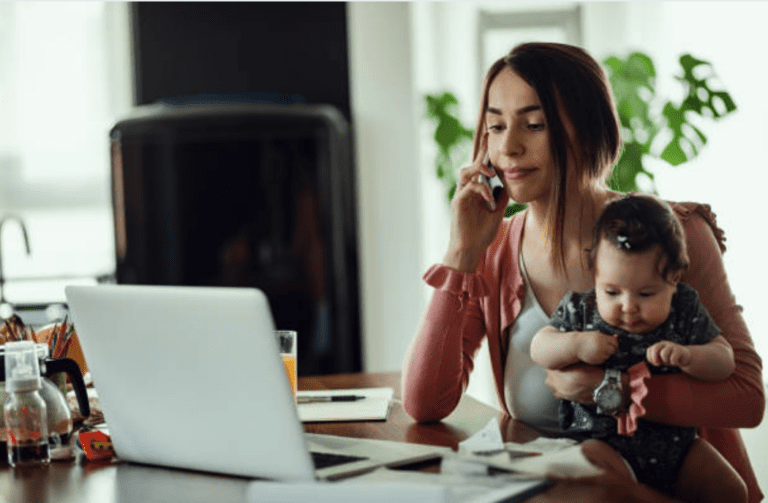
(439, 360)
(438, 363)
(712, 361)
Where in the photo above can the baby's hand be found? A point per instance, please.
(596, 347)
(668, 353)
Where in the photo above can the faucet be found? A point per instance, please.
(26, 244)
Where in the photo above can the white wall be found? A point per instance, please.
(385, 122)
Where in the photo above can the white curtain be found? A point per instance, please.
(64, 80)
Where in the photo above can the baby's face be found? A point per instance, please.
(631, 293)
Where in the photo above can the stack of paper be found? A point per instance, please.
(543, 457)
(373, 406)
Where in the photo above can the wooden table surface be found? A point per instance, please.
(469, 417)
(81, 481)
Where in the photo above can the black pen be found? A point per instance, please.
(334, 398)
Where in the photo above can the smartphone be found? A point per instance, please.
(494, 184)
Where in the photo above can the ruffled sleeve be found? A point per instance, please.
(684, 211)
(461, 284)
(462, 311)
(438, 364)
(627, 422)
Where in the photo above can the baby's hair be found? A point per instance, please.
(635, 223)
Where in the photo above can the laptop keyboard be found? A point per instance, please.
(324, 459)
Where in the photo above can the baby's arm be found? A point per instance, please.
(712, 361)
(553, 349)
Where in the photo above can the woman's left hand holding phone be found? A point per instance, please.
(473, 223)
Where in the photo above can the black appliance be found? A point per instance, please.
(249, 195)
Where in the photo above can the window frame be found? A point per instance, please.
(567, 19)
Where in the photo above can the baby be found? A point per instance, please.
(640, 311)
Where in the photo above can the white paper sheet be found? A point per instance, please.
(549, 457)
(374, 407)
(485, 440)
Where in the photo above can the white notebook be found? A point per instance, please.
(374, 407)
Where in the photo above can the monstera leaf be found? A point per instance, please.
(700, 100)
(633, 80)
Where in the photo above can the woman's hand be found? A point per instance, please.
(473, 224)
(576, 383)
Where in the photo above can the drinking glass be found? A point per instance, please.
(286, 341)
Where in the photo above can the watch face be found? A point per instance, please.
(608, 400)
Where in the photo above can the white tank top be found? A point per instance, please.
(527, 397)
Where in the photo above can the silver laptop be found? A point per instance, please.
(191, 377)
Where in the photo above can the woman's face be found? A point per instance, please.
(518, 138)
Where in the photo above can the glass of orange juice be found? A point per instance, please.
(286, 340)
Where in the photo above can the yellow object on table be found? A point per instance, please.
(74, 351)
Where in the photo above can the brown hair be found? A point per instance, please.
(636, 222)
(565, 77)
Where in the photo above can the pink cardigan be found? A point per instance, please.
(466, 307)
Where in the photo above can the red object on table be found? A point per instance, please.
(97, 445)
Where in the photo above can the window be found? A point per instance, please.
(499, 32)
(64, 80)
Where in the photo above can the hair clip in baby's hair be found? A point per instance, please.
(623, 241)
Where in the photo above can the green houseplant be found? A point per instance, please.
(653, 126)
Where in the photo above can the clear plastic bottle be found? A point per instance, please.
(25, 412)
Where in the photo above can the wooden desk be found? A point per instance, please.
(80, 481)
(468, 418)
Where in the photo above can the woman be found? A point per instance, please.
(549, 127)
